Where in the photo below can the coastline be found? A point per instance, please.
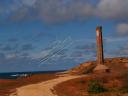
(8, 86)
(44, 88)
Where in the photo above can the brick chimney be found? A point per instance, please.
(100, 52)
(99, 40)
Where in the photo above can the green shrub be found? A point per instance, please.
(95, 86)
(124, 90)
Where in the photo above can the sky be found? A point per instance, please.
(42, 35)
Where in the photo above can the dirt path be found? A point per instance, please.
(42, 89)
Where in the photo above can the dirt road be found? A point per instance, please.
(43, 88)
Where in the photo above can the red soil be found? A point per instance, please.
(9, 86)
(116, 79)
(78, 87)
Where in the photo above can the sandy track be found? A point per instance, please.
(43, 88)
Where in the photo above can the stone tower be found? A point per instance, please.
(99, 42)
(100, 52)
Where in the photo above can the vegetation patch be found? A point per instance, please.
(95, 87)
(124, 90)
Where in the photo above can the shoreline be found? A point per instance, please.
(8, 86)
(44, 88)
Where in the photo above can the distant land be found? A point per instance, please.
(15, 75)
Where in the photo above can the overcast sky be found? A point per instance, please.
(40, 35)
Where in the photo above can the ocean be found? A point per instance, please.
(15, 75)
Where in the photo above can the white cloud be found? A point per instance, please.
(112, 9)
(122, 29)
(53, 11)
(29, 2)
(11, 56)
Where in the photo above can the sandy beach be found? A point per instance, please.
(45, 88)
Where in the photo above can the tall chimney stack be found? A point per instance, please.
(99, 40)
(101, 67)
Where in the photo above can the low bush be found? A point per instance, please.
(124, 90)
(95, 86)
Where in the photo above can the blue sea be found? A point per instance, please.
(15, 75)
